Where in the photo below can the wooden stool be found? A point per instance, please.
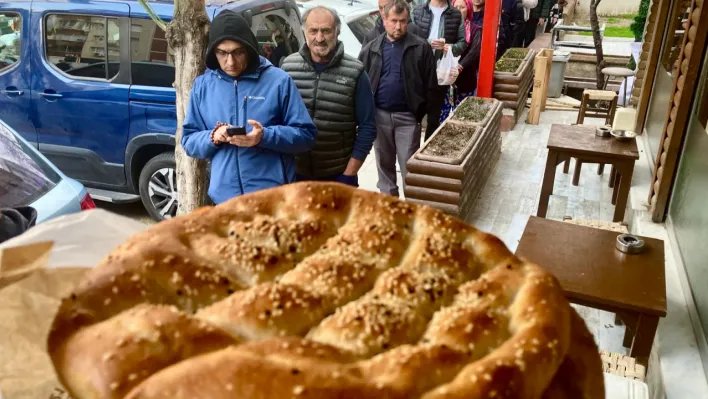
(585, 111)
(623, 73)
(597, 95)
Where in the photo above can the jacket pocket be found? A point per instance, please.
(260, 169)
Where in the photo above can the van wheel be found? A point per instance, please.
(158, 186)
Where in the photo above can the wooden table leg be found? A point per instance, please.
(613, 177)
(601, 169)
(618, 320)
(644, 338)
(615, 189)
(549, 177)
(626, 170)
(630, 326)
(566, 165)
(576, 173)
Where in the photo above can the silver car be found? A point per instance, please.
(27, 178)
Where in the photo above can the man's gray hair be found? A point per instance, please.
(337, 20)
(398, 6)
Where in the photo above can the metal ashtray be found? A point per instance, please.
(630, 244)
(623, 135)
(603, 132)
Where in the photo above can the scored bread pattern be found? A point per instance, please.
(318, 290)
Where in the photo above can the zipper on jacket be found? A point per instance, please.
(314, 98)
(240, 179)
(314, 109)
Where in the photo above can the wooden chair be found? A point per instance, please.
(598, 112)
(595, 112)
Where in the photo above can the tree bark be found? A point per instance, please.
(188, 36)
(597, 39)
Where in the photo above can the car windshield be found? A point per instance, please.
(24, 175)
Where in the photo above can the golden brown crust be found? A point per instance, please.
(332, 293)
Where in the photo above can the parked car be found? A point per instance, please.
(89, 82)
(358, 18)
(27, 178)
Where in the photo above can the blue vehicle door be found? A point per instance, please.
(152, 96)
(15, 69)
(80, 87)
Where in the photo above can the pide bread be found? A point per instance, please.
(319, 290)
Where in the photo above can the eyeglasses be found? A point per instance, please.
(235, 53)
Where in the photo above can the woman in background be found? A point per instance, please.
(466, 83)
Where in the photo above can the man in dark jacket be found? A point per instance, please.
(512, 14)
(241, 88)
(379, 28)
(338, 96)
(443, 26)
(403, 78)
(539, 15)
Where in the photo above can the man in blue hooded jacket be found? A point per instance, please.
(241, 88)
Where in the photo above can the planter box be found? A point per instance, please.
(455, 120)
(512, 88)
(452, 187)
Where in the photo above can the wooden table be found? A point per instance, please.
(594, 273)
(580, 142)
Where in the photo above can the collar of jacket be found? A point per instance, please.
(333, 62)
(224, 76)
(408, 41)
(449, 6)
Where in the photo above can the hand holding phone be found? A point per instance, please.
(236, 131)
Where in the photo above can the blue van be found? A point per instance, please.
(89, 82)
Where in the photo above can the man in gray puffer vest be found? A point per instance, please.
(338, 96)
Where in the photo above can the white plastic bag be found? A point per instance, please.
(447, 69)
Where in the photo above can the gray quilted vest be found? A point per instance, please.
(329, 97)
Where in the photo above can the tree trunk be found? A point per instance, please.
(597, 39)
(188, 37)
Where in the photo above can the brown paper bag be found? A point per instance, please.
(30, 295)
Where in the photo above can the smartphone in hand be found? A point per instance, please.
(236, 131)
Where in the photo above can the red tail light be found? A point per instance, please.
(87, 203)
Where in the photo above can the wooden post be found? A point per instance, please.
(488, 59)
(542, 75)
(547, 81)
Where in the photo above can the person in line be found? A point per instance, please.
(512, 14)
(537, 20)
(338, 96)
(402, 70)
(379, 29)
(443, 26)
(523, 14)
(241, 88)
(478, 13)
(466, 83)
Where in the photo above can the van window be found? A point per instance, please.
(10, 39)
(151, 63)
(83, 46)
(275, 36)
(362, 25)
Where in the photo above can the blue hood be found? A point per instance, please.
(275, 102)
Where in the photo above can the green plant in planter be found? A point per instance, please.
(516, 53)
(508, 65)
(450, 141)
(472, 109)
